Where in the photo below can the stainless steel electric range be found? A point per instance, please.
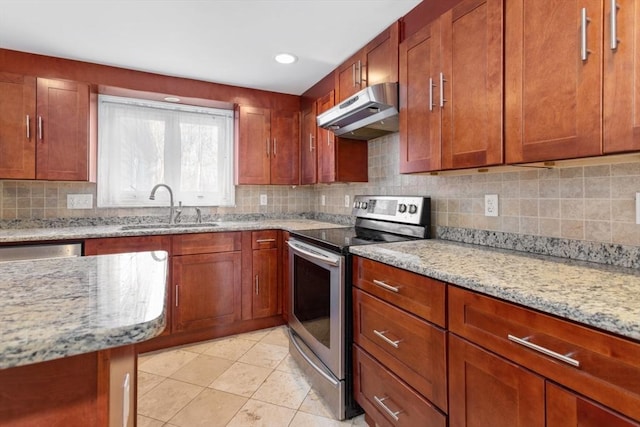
(320, 324)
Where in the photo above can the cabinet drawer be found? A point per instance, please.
(204, 243)
(384, 396)
(417, 294)
(609, 367)
(264, 239)
(410, 347)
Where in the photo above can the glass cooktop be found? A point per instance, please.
(339, 239)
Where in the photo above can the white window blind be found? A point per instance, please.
(143, 143)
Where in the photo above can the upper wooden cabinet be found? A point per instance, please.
(451, 88)
(268, 150)
(45, 129)
(377, 62)
(339, 159)
(308, 147)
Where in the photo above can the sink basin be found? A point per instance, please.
(168, 226)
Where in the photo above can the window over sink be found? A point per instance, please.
(142, 143)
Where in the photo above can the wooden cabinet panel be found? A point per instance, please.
(420, 128)
(17, 125)
(265, 298)
(472, 64)
(349, 77)
(486, 390)
(63, 130)
(286, 281)
(567, 409)
(326, 143)
(382, 57)
(385, 397)
(412, 348)
(200, 243)
(264, 239)
(254, 140)
(608, 371)
(552, 96)
(621, 127)
(285, 157)
(118, 245)
(419, 295)
(308, 156)
(207, 290)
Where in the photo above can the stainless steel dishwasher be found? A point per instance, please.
(39, 251)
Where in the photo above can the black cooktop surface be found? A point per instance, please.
(339, 239)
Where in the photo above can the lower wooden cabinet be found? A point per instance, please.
(265, 274)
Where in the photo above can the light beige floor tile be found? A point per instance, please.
(210, 408)
(147, 382)
(197, 348)
(359, 421)
(165, 400)
(265, 355)
(202, 370)
(261, 414)
(166, 363)
(148, 422)
(229, 348)
(277, 336)
(241, 379)
(284, 389)
(302, 419)
(288, 364)
(313, 404)
(254, 335)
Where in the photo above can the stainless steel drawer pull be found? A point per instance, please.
(257, 286)
(584, 20)
(40, 127)
(614, 24)
(177, 294)
(442, 80)
(525, 342)
(431, 86)
(28, 127)
(394, 344)
(380, 402)
(265, 240)
(386, 286)
(275, 147)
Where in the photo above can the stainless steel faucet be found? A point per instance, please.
(152, 196)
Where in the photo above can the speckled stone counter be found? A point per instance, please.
(602, 296)
(98, 231)
(63, 307)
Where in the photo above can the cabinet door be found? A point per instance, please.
(382, 57)
(349, 77)
(552, 95)
(207, 290)
(118, 245)
(254, 145)
(622, 78)
(308, 165)
(285, 147)
(420, 148)
(472, 61)
(567, 409)
(326, 144)
(17, 119)
(62, 130)
(265, 297)
(486, 390)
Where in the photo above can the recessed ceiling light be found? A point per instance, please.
(171, 99)
(286, 58)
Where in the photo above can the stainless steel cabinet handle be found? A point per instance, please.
(257, 286)
(381, 334)
(380, 402)
(442, 80)
(28, 127)
(39, 127)
(359, 73)
(431, 86)
(526, 343)
(584, 20)
(275, 146)
(353, 74)
(268, 146)
(386, 286)
(265, 240)
(177, 294)
(614, 24)
(310, 142)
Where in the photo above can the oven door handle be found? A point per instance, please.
(313, 254)
(292, 339)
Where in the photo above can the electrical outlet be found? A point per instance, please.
(490, 205)
(263, 199)
(637, 208)
(323, 200)
(346, 201)
(79, 201)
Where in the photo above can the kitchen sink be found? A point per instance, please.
(170, 226)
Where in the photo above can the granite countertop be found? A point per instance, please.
(98, 231)
(61, 307)
(597, 295)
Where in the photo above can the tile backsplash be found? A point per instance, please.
(592, 203)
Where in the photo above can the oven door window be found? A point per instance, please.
(312, 299)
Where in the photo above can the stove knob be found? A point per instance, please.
(413, 209)
(402, 208)
(364, 205)
(357, 205)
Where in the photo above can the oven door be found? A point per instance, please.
(317, 311)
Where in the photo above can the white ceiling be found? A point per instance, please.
(224, 41)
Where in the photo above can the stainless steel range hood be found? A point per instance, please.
(368, 114)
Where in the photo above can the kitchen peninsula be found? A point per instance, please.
(68, 329)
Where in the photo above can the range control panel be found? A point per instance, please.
(404, 209)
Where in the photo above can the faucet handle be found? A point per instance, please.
(198, 215)
(178, 213)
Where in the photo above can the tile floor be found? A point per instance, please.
(245, 380)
